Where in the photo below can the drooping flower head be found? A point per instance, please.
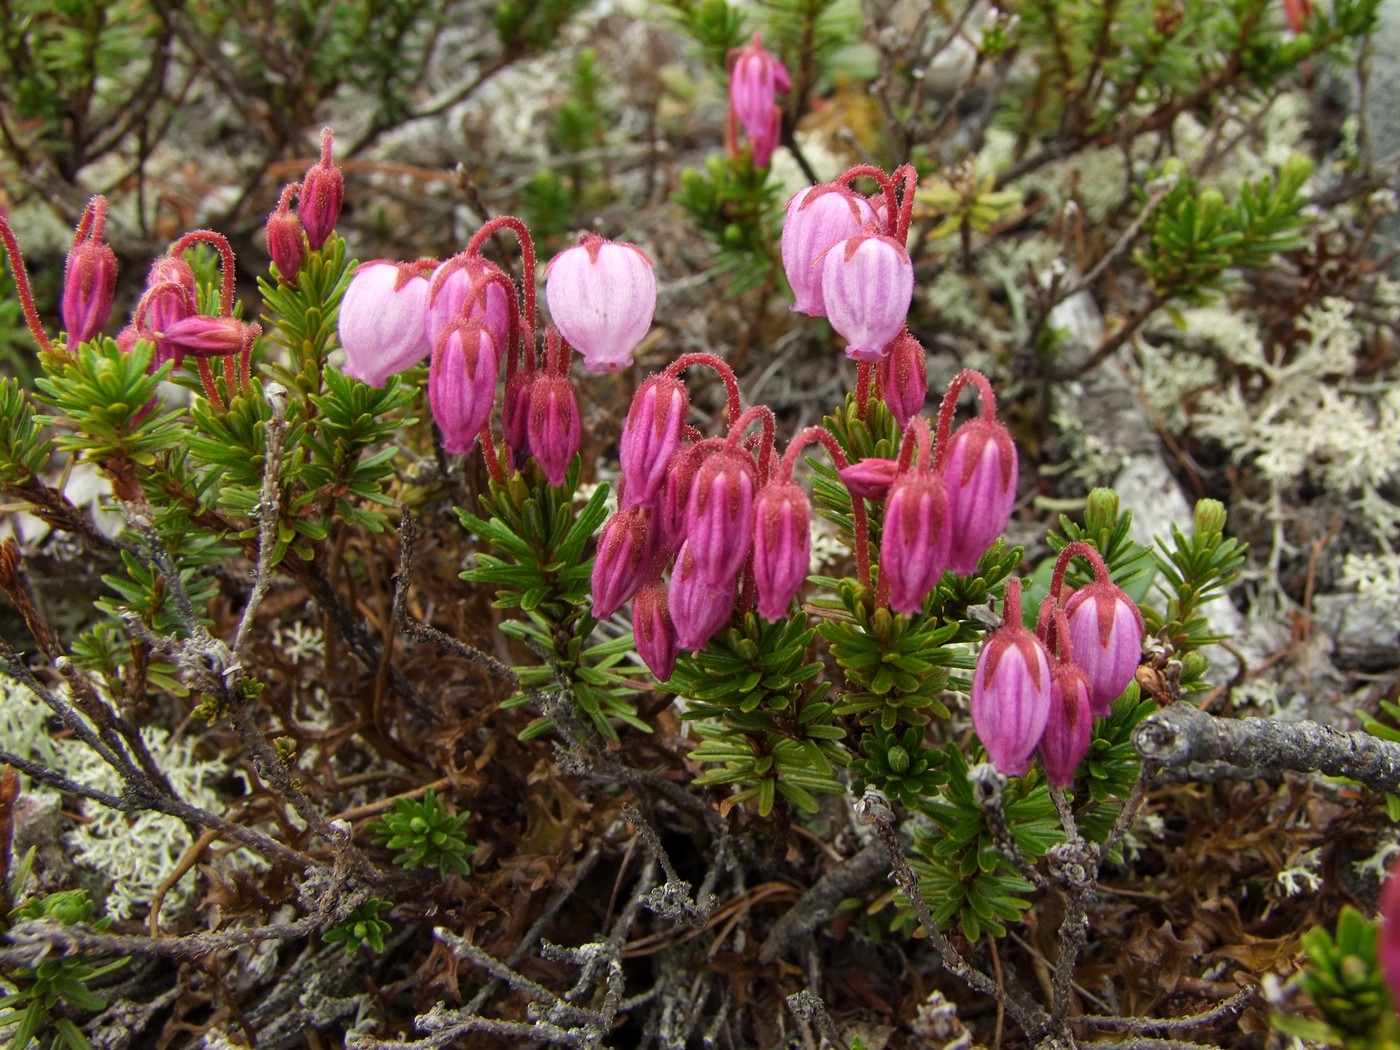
(462, 383)
(322, 194)
(651, 436)
(719, 515)
(625, 546)
(381, 320)
(286, 240)
(553, 428)
(1105, 629)
(698, 608)
(817, 219)
(755, 78)
(867, 286)
(469, 286)
(914, 548)
(601, 296)
(653, 631)
(1011, 690)
(782, 546)
(1388, 944)
(904, 378)
(1069, 729)
(89, 277)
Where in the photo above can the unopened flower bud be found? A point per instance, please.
(980, 471)
(515, 415)
(89, 279)
(1069, 729)
(719, 516)
(601, 295)
(381, 320)
(675, 493)
(914, 548)
(322, 193)
(1388, 940)
(905, 378)
(554, 430)
(285, 240)
(462, 384)
(698, 609)
(867, 285)
(651, 436)
(782, 546)
(653, 631)
(755, 78)
(817, 219)
(1105, 640)
(1011, 690)
(869, 478)
(625, 545)
(201, 336)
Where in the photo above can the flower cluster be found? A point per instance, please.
(1042, 690)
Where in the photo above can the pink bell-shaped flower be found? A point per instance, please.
(620, 565)
(1388, 943)
(980, 471)
(553, 429)
(601, 296)
(867, 286)
(457, 291)
(698, 609)
(1011, 690)
(719, 516)
(904, 375)
(782, 546)
(755, 78)
(914, 548)
(817, 219)
(462, 384)
(651, 436)
(870, 478)
(381, 320)
(1069, 729)
(201, 336)
(1105, 640)
(653, 631)
(89, 278)
(322, 194)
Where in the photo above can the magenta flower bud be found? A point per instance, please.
(1105, 640)
(1388, 942)
(172, 269)
(867, 285)
(653, 631)
(165, 304)
(651, 436)
(625, 546)
(698, 609)
(755, 78)
(89, 286)
(980, 472)
(457, 292)
(1069, 729)
(719, 516)
(905, 376)
(515, 415)
(322, 193)
(675, 494)
(782, 546)
(1011, 690)
(381, 320)
(601, 296)
(869, 478)
(285, 242)
(127, 339)
(201, 336)
(553, 429)
(818, 218)
(914, 548)
(462, 384)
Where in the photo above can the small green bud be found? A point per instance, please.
(1100, 511)
(898, 759)
(1209, 519)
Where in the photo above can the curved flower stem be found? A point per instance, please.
(731, 384)
(489, 454)
(507, 286)
(900, 224)
(527, 257)
(26, 297)
(1011, 603)
(765, 449)
(226, 262)
(1088, 553)
(916, 434)
(861, 520)
(949, 407)
(869, 171)
(211, 391)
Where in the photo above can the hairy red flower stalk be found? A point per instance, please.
(26, 297)
(731, 384)
(226, 262)
(899, 225)
(1084, 550)
(489, 454)
(527, 257)
(869, 171)
(865, 375)
(949, 406)
(211, 389)
(764, 455)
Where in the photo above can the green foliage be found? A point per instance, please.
(1195, 236)
(1193, 571)
(717, 26)
(1110, 768)
(301, 316)
(426, 835)
(962, 874)
(737, 206)
(532, 25)
(363, 926)
(24, 450)
(1343, 979)
(808, 34)
(764, 725)
(45, 993)
(876, 437)
(899, 766)
(1130, 564)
